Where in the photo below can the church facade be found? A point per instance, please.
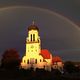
(34, 56)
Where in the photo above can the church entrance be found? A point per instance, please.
(32, 62)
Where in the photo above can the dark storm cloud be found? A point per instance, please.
(68, 8)
(56, 32)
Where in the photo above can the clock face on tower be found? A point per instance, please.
(32, 46)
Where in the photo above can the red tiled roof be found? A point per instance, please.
(56, 59)
(45, 54)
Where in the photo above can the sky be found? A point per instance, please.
(68, 8)
(58, 21)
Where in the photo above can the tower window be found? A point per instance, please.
(28, 61)
(36, 61)
(33, 37)
(38, 40)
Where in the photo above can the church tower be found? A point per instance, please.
(33, 44)
(34, 57)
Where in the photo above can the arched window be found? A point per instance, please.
(40, 60)
(36, 61)
(38, 40)
(33, 37)
(28, 61)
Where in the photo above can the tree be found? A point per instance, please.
(69, 67)
(10, 59)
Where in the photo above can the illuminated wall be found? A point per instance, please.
(33, 57)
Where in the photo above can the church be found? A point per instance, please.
(35, 57)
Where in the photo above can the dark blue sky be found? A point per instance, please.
(58, 34)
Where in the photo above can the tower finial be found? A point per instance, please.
(33, 22)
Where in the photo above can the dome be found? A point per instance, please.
(33, 27)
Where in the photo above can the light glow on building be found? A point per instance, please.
(34, 56)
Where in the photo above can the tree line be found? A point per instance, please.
(11, 60)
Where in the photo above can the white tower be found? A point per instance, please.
(32, 56)
(33, 46)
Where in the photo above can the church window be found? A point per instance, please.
(38, 40)
(28, 61)
(40, 60)
(33, 37)
(36, 61)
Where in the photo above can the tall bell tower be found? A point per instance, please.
(33, 43)
(33, 55)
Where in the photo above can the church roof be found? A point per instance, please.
(45, 54)
(33, 27)
(56, 59)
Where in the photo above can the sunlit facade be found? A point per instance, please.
(35, 57)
